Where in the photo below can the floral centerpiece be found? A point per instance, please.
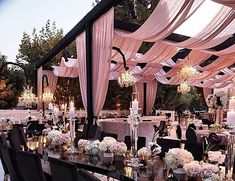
(216, 157)
(144, 153)
(106, 144)
(217, 100)
(52, 134)
(82, 143)
(177, 157)
(61, 140)
(193, 168)
(118, 148)
(208, 170)
(92, 147)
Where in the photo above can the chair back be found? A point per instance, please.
(98, 134)
(14, 140)
(62, 170)
(196, 149)
(161, 128)
(167, 144)
(30, 171)
(214, 141)
(22, 136)
(11, 164)
(178, 132)
(191, 136)
(191, 125)
(141, 142)
(3, 141)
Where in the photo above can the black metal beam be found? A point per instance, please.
(100, 9)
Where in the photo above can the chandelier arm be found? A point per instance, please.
(19, 65)
(123, 56)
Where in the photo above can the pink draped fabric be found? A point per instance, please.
(230, 3)
(158, 53)
(206, 92)
(128, 46)
(139, 88)
(151, 91)
(214, 28)
(102, 51)
(170, 15)
(218, 64)
(52, 80)
(81, 56)
(71, 72)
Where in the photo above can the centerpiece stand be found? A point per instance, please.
(133, 120)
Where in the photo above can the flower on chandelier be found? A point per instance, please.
(184, 87)
(28, 98)
(126, 79)
(47, 96)
(187, 72)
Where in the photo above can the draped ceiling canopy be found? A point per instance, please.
(211, 50)
(160, 61)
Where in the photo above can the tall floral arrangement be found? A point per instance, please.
(220, 99)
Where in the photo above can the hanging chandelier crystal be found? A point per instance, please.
(28, 98)
(47, 96)
(187, 71)
(126, 79)
(184, 87)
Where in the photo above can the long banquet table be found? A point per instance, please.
(122, 128)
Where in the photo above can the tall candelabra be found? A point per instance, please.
(72, 149)
(133, 120)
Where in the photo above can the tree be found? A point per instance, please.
(11, 84)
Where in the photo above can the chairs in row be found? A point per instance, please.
(26, 166)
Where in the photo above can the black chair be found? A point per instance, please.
(141, 142)
(178, 132)
(3, 141)
(196, 149)
(191, 136)
(98, 134)
(105, 134)
(214, 141)
(14, 140)
(30, 166)
(11, 164)
(167, 144)
(63, 170)
(22, 136)
(162, 128)
(191, 125)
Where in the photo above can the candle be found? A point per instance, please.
(135, 105)
(62, 106)
(231, 118)
(71, 105)
(232, 103)
(50, 106)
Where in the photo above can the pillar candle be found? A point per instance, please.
(50, 106)
(135, 105)
(71, 105)
(232, 104)
(231, 118)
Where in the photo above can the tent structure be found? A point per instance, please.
(98, 32)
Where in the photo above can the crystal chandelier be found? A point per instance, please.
(47, 96)
(187, 72)
(28, 98)
(126, 79)
(184, 87)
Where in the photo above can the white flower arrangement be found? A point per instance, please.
(193, 168)
(52, 134)
(177, 157)
(216, 100)
(106, 143)
(207, 170)
(61, 139)
(82, 143)
(46, 131)
(118, 148)
(144, 152)
(216, 156)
